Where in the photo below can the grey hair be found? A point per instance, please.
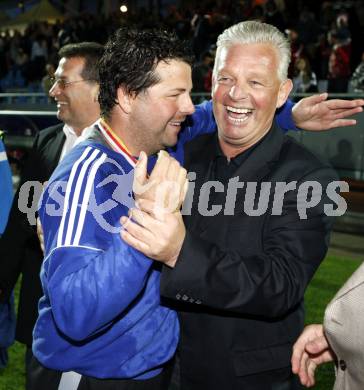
(256, 32)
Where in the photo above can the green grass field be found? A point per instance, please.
(328, 279)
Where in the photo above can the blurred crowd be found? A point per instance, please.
(326, 37)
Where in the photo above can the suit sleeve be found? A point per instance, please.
(19, 234)
(269, 282)
(90, 274)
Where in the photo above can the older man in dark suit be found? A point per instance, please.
(75, 89)
(238, 279)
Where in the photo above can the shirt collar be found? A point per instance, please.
(71, 134)
(68, 131)
(239, 158)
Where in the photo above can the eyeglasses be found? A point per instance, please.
(63, 83)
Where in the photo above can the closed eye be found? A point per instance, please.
(223, 79)
(255, 83)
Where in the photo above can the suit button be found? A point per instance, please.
(185, 298)
(178, 296)
(342, 364)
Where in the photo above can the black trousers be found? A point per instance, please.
(42, 378)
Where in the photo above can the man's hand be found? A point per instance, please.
(166, 186)
(310, 350)
(159, 236)
(316, 113)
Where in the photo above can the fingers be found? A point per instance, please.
(160, 169)
(141, 218)
(135, 243)
(139, 232)
(140, 170)
(180, 190)
(140, 173)
(181, 179)
(315, 99)
(298, 351)
(166, 185)
(301, 357)
(308, 334)
(311, 368)
(182, 182)
(310, 350)
(306, 372)
(173, 170)
(318, 345)
(344, 112)
(143, 184)
(303, 374)
(167, 168)
(172, 191)
(154, 208)
(146, 205)
(323, 96)
(340, 123)
(184, 191)
(341, 103)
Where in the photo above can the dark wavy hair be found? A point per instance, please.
(90, 51)
(130, 59)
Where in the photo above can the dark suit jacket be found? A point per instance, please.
(240, 280)
(20, 252)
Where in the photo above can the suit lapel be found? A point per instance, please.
(55, 148)
(199, 160)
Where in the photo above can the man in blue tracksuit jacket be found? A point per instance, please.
(101, 316)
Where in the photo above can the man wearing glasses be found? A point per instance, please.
(75, 89)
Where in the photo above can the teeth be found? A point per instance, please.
(237, 121)
(239, 110)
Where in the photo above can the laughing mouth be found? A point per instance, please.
(176, 123)
(59, 104)
(238, 115)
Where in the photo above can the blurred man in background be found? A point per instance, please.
(75, 89)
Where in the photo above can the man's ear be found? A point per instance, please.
(95, 92)
(125, 100)
(284, 91)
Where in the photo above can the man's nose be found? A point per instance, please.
(54, 90)
(187, 107)
(237, 92)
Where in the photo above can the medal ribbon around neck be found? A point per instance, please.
(116, 142)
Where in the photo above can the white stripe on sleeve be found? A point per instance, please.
(76, 195)
(86, 197)
(67, 195)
